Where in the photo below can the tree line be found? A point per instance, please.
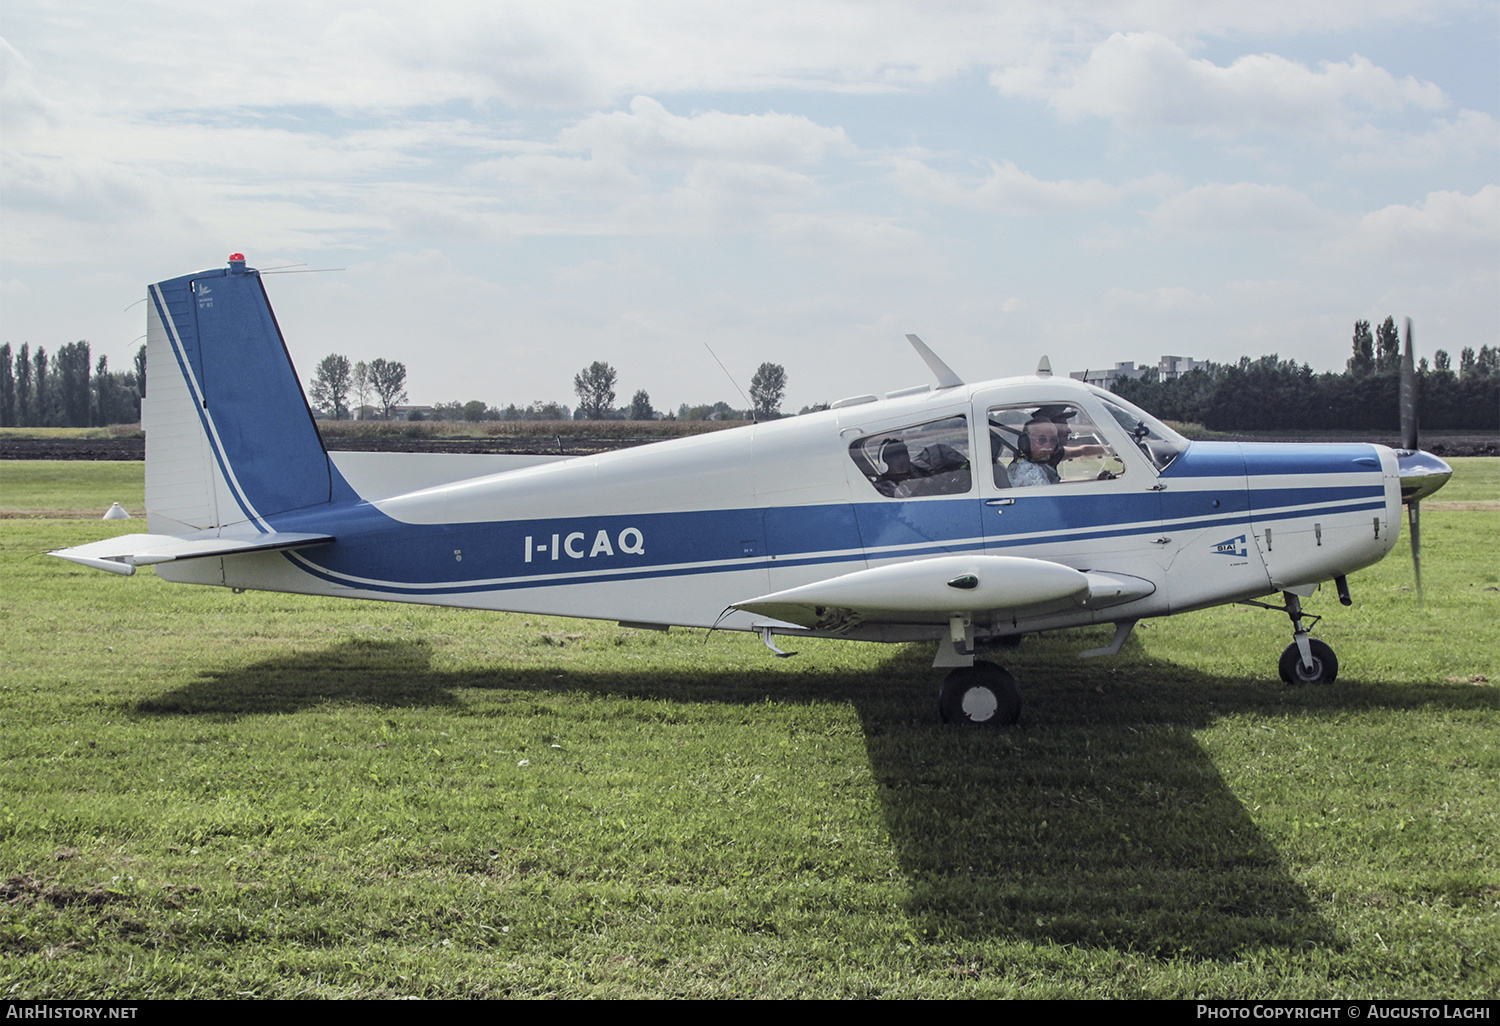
(1270, 393)
(67, 389)
(70, 389)
(595, 388)
(336, 380)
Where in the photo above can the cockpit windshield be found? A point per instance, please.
(1160, 443)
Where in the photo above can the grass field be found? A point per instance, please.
(223, 795)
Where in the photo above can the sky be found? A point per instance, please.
(511, 191)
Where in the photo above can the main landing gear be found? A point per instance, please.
(982, 695)
(1306, 660)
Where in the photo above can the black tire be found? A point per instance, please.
(1325, 667)
(982, 695)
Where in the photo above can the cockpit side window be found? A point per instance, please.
(1160, 443)
(910, 462)
(1055, 443)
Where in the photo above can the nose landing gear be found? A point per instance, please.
(1305, 660)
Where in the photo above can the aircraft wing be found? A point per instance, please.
(123, 554)
(932, 590)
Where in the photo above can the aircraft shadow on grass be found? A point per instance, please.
(1099, 822)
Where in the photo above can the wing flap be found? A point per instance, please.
(123, 554)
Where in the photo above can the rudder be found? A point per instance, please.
(229, 435)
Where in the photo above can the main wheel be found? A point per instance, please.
(980, 695)
(1325, 665)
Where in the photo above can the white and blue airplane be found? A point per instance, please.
(962, 515)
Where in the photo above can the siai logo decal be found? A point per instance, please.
(1231, 547)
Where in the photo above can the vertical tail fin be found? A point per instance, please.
(229, 436)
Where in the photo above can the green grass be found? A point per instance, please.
(1475, 479)
(111, 431)
(214, 795)
(68, 488)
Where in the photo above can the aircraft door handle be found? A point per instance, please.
(1000, 502)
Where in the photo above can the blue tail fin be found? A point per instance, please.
(229, 436)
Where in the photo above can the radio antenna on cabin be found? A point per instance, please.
(748, 405)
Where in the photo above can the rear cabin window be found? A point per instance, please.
(921, 460)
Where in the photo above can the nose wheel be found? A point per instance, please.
(982, 695)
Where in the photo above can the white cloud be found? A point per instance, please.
(524, 53)
(557, 176)
(21, 103)
(151, 138)
(1146, 80)
(1167, 299)
(1240, 207)
(387, 54)
(1104, 238)
(1450, 230)
(1010, 191)
(727, 197)
(650, 133)
(1470, 137)
(651, 172)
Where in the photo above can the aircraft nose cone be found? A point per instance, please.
(1422, 473)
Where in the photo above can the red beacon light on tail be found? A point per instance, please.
(236, 263)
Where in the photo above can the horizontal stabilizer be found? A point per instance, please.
(928, 590)
(123, 554)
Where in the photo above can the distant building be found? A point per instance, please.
(397, 413)
(1167, 368)
(1106, 378)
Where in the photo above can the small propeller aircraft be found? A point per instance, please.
(963, 515)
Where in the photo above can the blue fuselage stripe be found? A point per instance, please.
(375, 553)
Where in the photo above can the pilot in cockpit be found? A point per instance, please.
(1035, 448)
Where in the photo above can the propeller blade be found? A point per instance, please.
(1408, 396)
(1414, 520)
(1421, 472)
